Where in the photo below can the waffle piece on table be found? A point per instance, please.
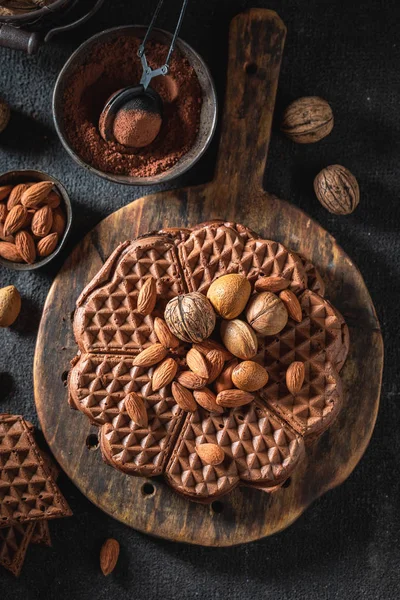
(14, 542)
(217, 249)
(99, 384)
(106, 319)
(27, 490)
(259, 449)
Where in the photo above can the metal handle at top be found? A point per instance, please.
(148, 72)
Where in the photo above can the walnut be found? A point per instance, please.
(307, 120)
(337, 190)
(190, 317)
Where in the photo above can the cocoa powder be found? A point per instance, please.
(110, 67)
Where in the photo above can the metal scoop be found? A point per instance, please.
(141, 98)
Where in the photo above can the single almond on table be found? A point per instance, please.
(147, 297)
(15, 219)
(215, 358)
(136, 409)
(207, 400)
(109, 554)
(3, 213)
(233, 398)
(26, 246)
(16, 195)
(59, 222)
(197, 363)
(271, 284)
(295, 377)
(164, 374)
(150, 356)
(5, 190)
(249, 376)
(9, 252)
(207, 345)
(183, 397)
(10, 305)
(165, 336)
(190, 380)
(36, 193)
(53, 199)
(42, 221)
(292, 304)
(211, 454)
(47, 245)
(224, 381)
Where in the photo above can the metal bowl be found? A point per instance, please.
(26, 175)
(208, 116)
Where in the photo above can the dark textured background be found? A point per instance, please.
(347, 544)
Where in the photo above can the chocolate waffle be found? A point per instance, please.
(263, 442)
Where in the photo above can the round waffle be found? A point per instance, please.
(264, 441)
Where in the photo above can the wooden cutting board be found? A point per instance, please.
(236, 194)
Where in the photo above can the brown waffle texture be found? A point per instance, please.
(264, 441)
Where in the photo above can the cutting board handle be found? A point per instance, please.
(256, 41)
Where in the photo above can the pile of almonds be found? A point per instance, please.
(215, 376)
(32, 221)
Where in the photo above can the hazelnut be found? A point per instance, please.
(190, 317)
(239, 338)
(229, 295)
(266, 313)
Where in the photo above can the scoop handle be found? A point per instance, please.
(256, 41)
(19, 39)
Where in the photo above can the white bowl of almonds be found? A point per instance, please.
(35, 218)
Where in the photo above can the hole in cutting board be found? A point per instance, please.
(251, 68)
(148, 489)
(92, 441)
(217, 506)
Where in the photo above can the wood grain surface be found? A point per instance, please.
(256, 45)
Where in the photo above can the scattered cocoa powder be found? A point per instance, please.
(110, 67)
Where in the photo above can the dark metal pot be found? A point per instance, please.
(28, 31)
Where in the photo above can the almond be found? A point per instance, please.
(16, 194)
(53, 199)
(239, 338)
(5, 191)
(224, 381)
(15, 219)
(10, 305)
(109, 554)
(147, 297)
(292, 305)
(165, 337)
(42, 221)
(164, 374)
(249, 376)
(3, 212)
(136, 409)
(233, 398)
(215, 358)
(211, 454)
(197, 363)
(183, 397)
(150, 356)
(9, 252)
(47, 245)
(295, 377)
(271, 284)
(190, 380)
(206, 399)
(26, 246)
(207, 345)
(59, 222)
(5, 238)
(36, 193)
